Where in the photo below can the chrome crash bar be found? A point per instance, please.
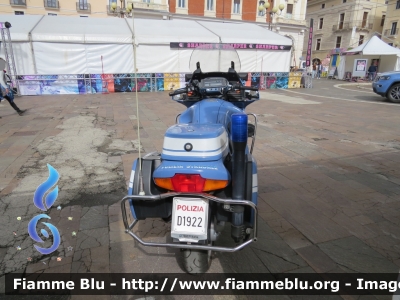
(128, 228)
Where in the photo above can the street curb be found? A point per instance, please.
(355, 83)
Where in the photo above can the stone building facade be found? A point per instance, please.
(343, 24)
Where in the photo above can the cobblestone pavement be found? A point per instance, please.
(329, 183)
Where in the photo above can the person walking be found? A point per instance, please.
(372, 71)
(314, 70)
(8, 94)
(319, 70)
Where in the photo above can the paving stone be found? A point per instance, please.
(92, 238)
(385, 245)
(36, 267)
(279, 225)
(295, 239)
(66, 268)
(3, 252)
(382, 186)
(318, 260)
(269, 216)
(355, 255)
(337, 176)
(117, 232)
(353, 227)
(278, 264)
(273, 188)
(304, 218)
(363, 219)
(95, 217)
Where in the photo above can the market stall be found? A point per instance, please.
(356, 61)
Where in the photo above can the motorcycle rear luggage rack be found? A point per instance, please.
(128, 228)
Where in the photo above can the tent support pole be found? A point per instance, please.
(141, 187)
(133, 42)
(31, 44)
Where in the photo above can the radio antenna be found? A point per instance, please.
(141, 189)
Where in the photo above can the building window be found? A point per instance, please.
(361, 40)
(318, 45)
(19, 12)
(289, 9)
(344, 1)
(338, 41)
(390, 44)
(236, 6)
(50, 14)
(383, 20)
(146, 1)
(111, 2)
(181, 3)
(394, 27)
(364, 21)
(321, 23)
(210, 4)
(341, 21)
(50, 3)
(260, 13)
(398, 4)
(323, 5)
(18, 2)
(83, 5)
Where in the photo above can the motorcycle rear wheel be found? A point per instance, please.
(196, 261)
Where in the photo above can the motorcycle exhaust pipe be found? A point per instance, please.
(239, 141)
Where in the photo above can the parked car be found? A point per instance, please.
(388, 85)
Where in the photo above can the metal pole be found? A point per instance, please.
(31, 44)
(141, 190)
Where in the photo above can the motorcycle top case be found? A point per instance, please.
(195, 142)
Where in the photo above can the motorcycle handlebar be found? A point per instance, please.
(250, 88)
(236, 87)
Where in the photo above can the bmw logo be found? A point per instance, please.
(188, 147)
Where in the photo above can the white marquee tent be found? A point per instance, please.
(72, 45)
(374, 48)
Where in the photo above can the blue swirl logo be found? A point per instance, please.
(44, 203)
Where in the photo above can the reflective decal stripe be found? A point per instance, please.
(206, 144)
(130, 189)
(131, 179)
(255, 183)
(195, 154)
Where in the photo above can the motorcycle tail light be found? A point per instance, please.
(164, 183)
(190, 183)
(212, 185)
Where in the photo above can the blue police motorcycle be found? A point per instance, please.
(205, 177)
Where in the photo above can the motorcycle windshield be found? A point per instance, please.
(214, 58)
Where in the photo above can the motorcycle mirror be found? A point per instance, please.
(177, 97)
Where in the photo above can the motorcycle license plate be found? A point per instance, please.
(189, 219)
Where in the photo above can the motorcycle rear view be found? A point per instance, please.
(205, 177)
